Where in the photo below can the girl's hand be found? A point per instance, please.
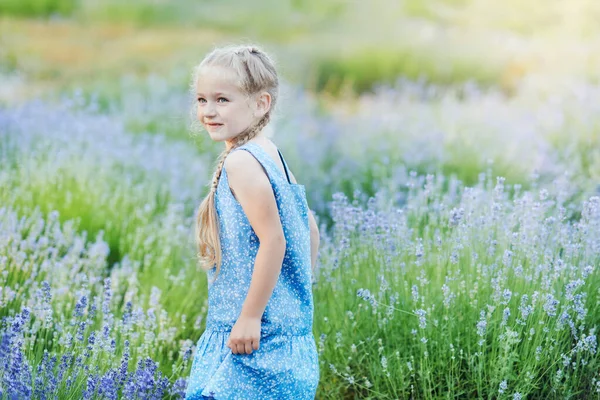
(244, 336)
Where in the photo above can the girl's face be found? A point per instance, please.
(223, 109)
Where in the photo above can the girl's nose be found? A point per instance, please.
(209, 109)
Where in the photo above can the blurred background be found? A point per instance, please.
(403, 102)
(457, 85)
(326, 46)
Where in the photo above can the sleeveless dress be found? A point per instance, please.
(286, 364)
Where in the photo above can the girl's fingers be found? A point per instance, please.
(248, 347)
(245, 347)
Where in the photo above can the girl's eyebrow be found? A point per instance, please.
(216, 94)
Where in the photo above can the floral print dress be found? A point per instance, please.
(286, 364)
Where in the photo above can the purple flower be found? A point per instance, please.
(46, 291)
(16, 378)
(65, 360)
(524, 308)
(146, 382)
(92, 313)
(122, 377)
(91, 340)
(80, 306)
(127, 315)
(366, 295)
(550, 305)
(481, 327)
(90, 389)
(503, 387)
(422, 320)
(108, 386)
(178, 388)
(107, 296)
(80, 331)
(505, 316)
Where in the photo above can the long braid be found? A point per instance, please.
(208, 255)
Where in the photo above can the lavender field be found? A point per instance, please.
(460, 228)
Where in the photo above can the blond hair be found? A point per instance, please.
(256, 72)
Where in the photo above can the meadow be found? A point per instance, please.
(456, 187)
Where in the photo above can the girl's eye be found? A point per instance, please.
(219, 100)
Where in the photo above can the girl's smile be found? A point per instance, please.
(212, 125)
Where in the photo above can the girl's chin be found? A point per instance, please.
(219, 138)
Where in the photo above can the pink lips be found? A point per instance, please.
(213, 125)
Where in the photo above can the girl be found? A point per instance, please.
(257, 239)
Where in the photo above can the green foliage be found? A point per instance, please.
(141, 13)
(427, 9)
(262, 18)
(37, 8)
(366, 68)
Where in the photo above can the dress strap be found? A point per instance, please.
(272, 170)
(285, 167)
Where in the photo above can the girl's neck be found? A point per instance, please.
(258, 138)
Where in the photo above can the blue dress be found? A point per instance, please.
(286, 364)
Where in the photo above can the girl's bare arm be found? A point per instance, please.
(314, 233)
(253, 190)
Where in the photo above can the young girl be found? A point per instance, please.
(258, 240)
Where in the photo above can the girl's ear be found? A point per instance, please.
(263, 104)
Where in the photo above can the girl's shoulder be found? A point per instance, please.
(239, 160)
(250, 155)
(243, 167)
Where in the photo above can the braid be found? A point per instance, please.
(217, 174)
(245, 137)
(242, 139)
(207, 222)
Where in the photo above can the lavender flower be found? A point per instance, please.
(80, 306)
(178, 388)
(107, 297)
(503, 387)
(505, 316)
(481, 327)
(366, 295)
(551, 305)
(524, 308)
(422, 321)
